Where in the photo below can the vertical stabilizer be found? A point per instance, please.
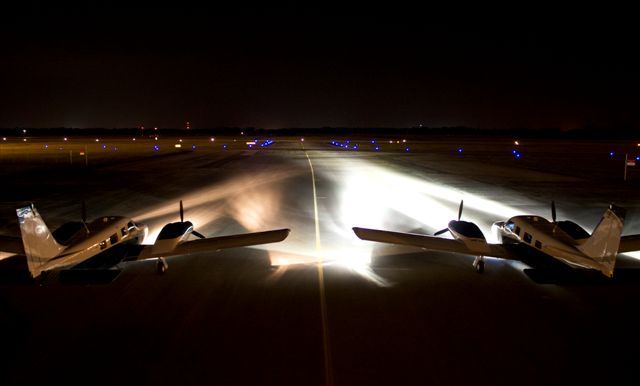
(39, 244)
(604, 242)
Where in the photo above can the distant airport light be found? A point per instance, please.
(516, 143)
(611, 154)
(212, 139)
(133, 139)
(407, 149)
(24, 140)
(638, 158)
(179, 140)
(390, 141)
(97, 140)
(65, 138)
(156, 147)
(156, 138)
(4, 138)
(373, 141)
(404, 141)
(177, 145)
(250, 143)
(225, 146)
(115, 148)
(242, 133)
(193, 147)
(302, 140)
(377, 148)
(46, 146)
(459, 150)
(104, 147)
(639, 145)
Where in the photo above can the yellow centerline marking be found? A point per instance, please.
(323, 300)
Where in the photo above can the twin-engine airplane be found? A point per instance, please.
(118, 238)
(565, 241)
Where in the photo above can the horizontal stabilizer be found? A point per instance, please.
(223, 242)
(11, 244)
(427, 242)
(629, 243)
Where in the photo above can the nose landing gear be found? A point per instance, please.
(478, 264)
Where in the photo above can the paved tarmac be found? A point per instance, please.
(322, 307)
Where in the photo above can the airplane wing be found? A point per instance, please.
(223, 242)
(629, 243)
(11, 245)
(430, 242)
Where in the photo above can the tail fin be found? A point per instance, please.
(39, 243)
(603, 244)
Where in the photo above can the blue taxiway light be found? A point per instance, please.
(459, 150)
(611, 154)
(193, 147)
(156, 147)
(225, 146)
(407, 149)
(104, 147)
(638, 158)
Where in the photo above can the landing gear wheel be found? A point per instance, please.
(161, 266)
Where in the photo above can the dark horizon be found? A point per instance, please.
(130, 66)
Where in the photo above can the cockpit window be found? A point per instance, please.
(510, 225)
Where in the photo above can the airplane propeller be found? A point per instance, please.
(441, 231)
(83, 214)
(193, 232)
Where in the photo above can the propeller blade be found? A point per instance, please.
(553, 211)
(198, 234)
(460, 210)
(181, 212)
(83, 211)
(441, 231)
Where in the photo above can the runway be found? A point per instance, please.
(323, 307)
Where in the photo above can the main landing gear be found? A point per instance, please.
(162, 266)
(478, 264)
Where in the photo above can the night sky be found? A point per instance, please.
(286, 66)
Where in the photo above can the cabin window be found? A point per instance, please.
(114, 238)
(527, 237)
(538, 244)
(518, 231)
(103, 244)
(123, 231)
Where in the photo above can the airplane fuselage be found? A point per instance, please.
(548, 238)
(99, 235)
